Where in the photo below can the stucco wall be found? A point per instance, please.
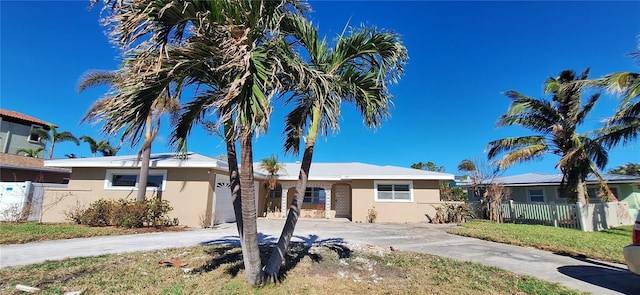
(426, 194)
(188, 190)
(14, 136)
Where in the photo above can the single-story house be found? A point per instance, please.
(545, 188)
(197, 187)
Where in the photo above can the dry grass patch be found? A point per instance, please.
(328, 269)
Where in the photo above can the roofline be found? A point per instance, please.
(60, 170)
(557, 183)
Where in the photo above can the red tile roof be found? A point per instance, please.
(20, 116)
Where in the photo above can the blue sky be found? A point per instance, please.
(462, 56)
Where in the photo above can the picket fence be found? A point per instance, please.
(585, 217)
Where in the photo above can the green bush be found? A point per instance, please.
(127, 213)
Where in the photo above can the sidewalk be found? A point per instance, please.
(581, 274)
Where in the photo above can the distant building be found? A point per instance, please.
(15, 134)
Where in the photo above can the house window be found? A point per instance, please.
(34, 137)
(275, 193)
(536, 195)
(393, 191)
(593, 192)
(128, 179)
(314, 195)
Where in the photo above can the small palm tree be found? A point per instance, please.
(102, 146)
(53, 137)
(555, 123)
(33, 153)
(272, 167)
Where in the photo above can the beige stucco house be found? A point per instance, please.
(197, 187)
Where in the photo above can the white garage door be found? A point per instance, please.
(223, 209)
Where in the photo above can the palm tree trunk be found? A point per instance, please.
(234, 178)
(144, 165)
(53, 143)
(277, 256)
(250, 248)
(580, 192)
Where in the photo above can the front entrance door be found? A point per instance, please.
(223, 209)
(343, 200)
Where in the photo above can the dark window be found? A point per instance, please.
(314, 195)
(34, 137)
(276, 193)
(155, 181)
(124, 180)
(394, 192)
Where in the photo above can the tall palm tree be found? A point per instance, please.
(358, 69)
(230, 50)
(53, 136)
(555, 123)
(33, 153)
(103, 109)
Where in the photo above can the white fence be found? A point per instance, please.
(15, 197)
(589, 217)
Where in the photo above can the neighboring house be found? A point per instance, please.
(544, 188)
(197, 187)
(17, 168)
(16, 132)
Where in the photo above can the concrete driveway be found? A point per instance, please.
(581, 274)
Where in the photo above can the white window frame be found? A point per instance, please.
(110, 172)
(34, 126)
(375, 191)
(544, 199)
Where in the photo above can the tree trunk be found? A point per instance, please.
(277, 256)
(144, 165)
(53, 143)
(234, 178)
(580, 192)
(250, 248)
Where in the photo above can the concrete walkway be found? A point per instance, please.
(581, 274)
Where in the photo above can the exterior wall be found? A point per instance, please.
(426, 194)
(15, 136)
(630, 194)
(188, 190)
(521, 194)
(20, 175)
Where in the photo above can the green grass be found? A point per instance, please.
(605, 245)
(19, 233)
(218, 270)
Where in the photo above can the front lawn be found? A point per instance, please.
(333, 269)
(19, 233)
(605, 245)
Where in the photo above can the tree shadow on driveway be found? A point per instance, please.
(604, 275)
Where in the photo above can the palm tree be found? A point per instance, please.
(627, 169)
(555, 123)
(624, 126)
(33, 153)
(272, 167)
(53, 136)
(231, 51)
(103, 110)
(358, 70)
(103, 146)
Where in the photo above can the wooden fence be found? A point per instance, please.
(590, 217)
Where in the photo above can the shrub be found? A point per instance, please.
(372, 215)
(452, 213)
(16, 213)
(124, 213)
(75, 212)
(98, 213)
